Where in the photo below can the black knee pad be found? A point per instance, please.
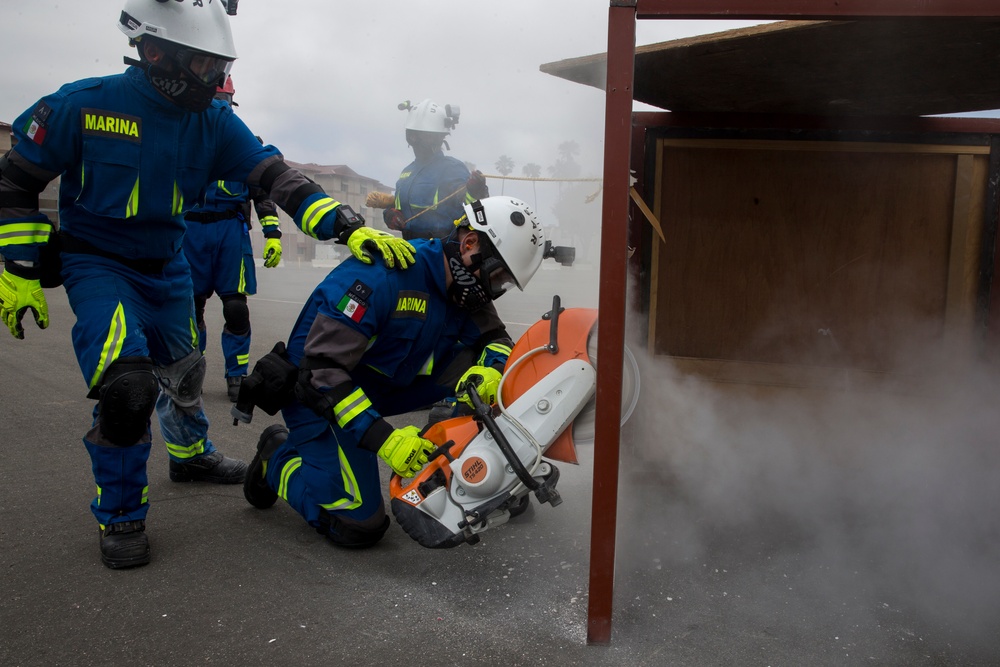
(353, 534)
(127, 396)
(236, 313)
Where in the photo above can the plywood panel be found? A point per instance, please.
(813, 257)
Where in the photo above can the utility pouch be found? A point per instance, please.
(50, 262)
(270, 386)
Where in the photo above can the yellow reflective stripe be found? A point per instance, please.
(353, 500)
(315, 212)
(99, 498)
(222, 186)
(112, 344)
(428, 366)
(269, 220)
(499, 348)
(469, 198)
(242, 287)
(132, 209)
(23, 233)
(286, 474)
(188, 452)
(178, 201)
(243, 359)
(195, 336)
(351, 407)
(145, 495)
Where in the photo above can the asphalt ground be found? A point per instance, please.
(703, 578)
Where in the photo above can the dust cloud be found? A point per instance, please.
(824, 507)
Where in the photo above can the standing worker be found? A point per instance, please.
(431, 190)
(135, 150)
(373, 342)
(218, 249)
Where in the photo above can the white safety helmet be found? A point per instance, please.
(516, 235)
(190, 24)
(429, 117)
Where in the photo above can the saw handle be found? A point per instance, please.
(553, 315)
(484, 415)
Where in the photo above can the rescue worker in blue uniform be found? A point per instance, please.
(217, 246)
(374, 342)
(431, 190)
(135, 152)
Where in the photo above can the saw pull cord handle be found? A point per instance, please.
(485, 416)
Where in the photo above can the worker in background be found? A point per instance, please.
(135, 151)
(431, 190)
(373, 342)
(217, 246)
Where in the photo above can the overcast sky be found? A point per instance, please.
(320, 79)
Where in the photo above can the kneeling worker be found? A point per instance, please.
(373, 342)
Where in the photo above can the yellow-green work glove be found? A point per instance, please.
(18, 295)
(405, 451)
(272, 252)
(365, 242)
(487, 381)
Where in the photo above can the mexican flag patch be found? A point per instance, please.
(354, 302)
(34, 128)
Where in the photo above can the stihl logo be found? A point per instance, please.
(474, 470)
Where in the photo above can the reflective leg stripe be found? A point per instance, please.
(243, 359)
(493, 351)
(178, 206)
(24, 233)
(132, 208)
(350, 485)
(145, 495)
(189, 452)
(222, 186)
(99, 498)
(286, 473)
(195, 336)
(349, 408)
(112, 345)
(428, 366)
(242, 288)
(314, 214)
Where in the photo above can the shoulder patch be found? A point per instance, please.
(37, 124)
(360, 291)
(354, 303)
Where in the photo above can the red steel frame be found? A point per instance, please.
(618, 139)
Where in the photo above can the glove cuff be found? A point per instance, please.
(22, 271)
(376, 435)
(273, 234)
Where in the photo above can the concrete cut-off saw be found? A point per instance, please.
(486, 465)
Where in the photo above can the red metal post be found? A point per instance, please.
(611, 318)
(771, 10)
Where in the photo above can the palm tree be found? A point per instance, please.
(532, 171)
(504, 165)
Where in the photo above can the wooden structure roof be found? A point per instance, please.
(886, 67)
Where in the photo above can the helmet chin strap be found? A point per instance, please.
(193, 97)
(466, 289)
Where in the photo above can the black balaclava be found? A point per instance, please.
(466, 290)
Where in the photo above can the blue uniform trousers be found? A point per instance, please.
(119, 313)
(322, 467)
(221, 259)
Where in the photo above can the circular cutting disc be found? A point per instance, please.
(583, 425)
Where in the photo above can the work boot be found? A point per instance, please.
(255, 487)
(214, 468)
(124, 544)
(233, 386)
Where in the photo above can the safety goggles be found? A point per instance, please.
(496, 277)
(203, 67)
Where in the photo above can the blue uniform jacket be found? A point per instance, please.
(422, 186)
(384, 328)
(133, 163)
